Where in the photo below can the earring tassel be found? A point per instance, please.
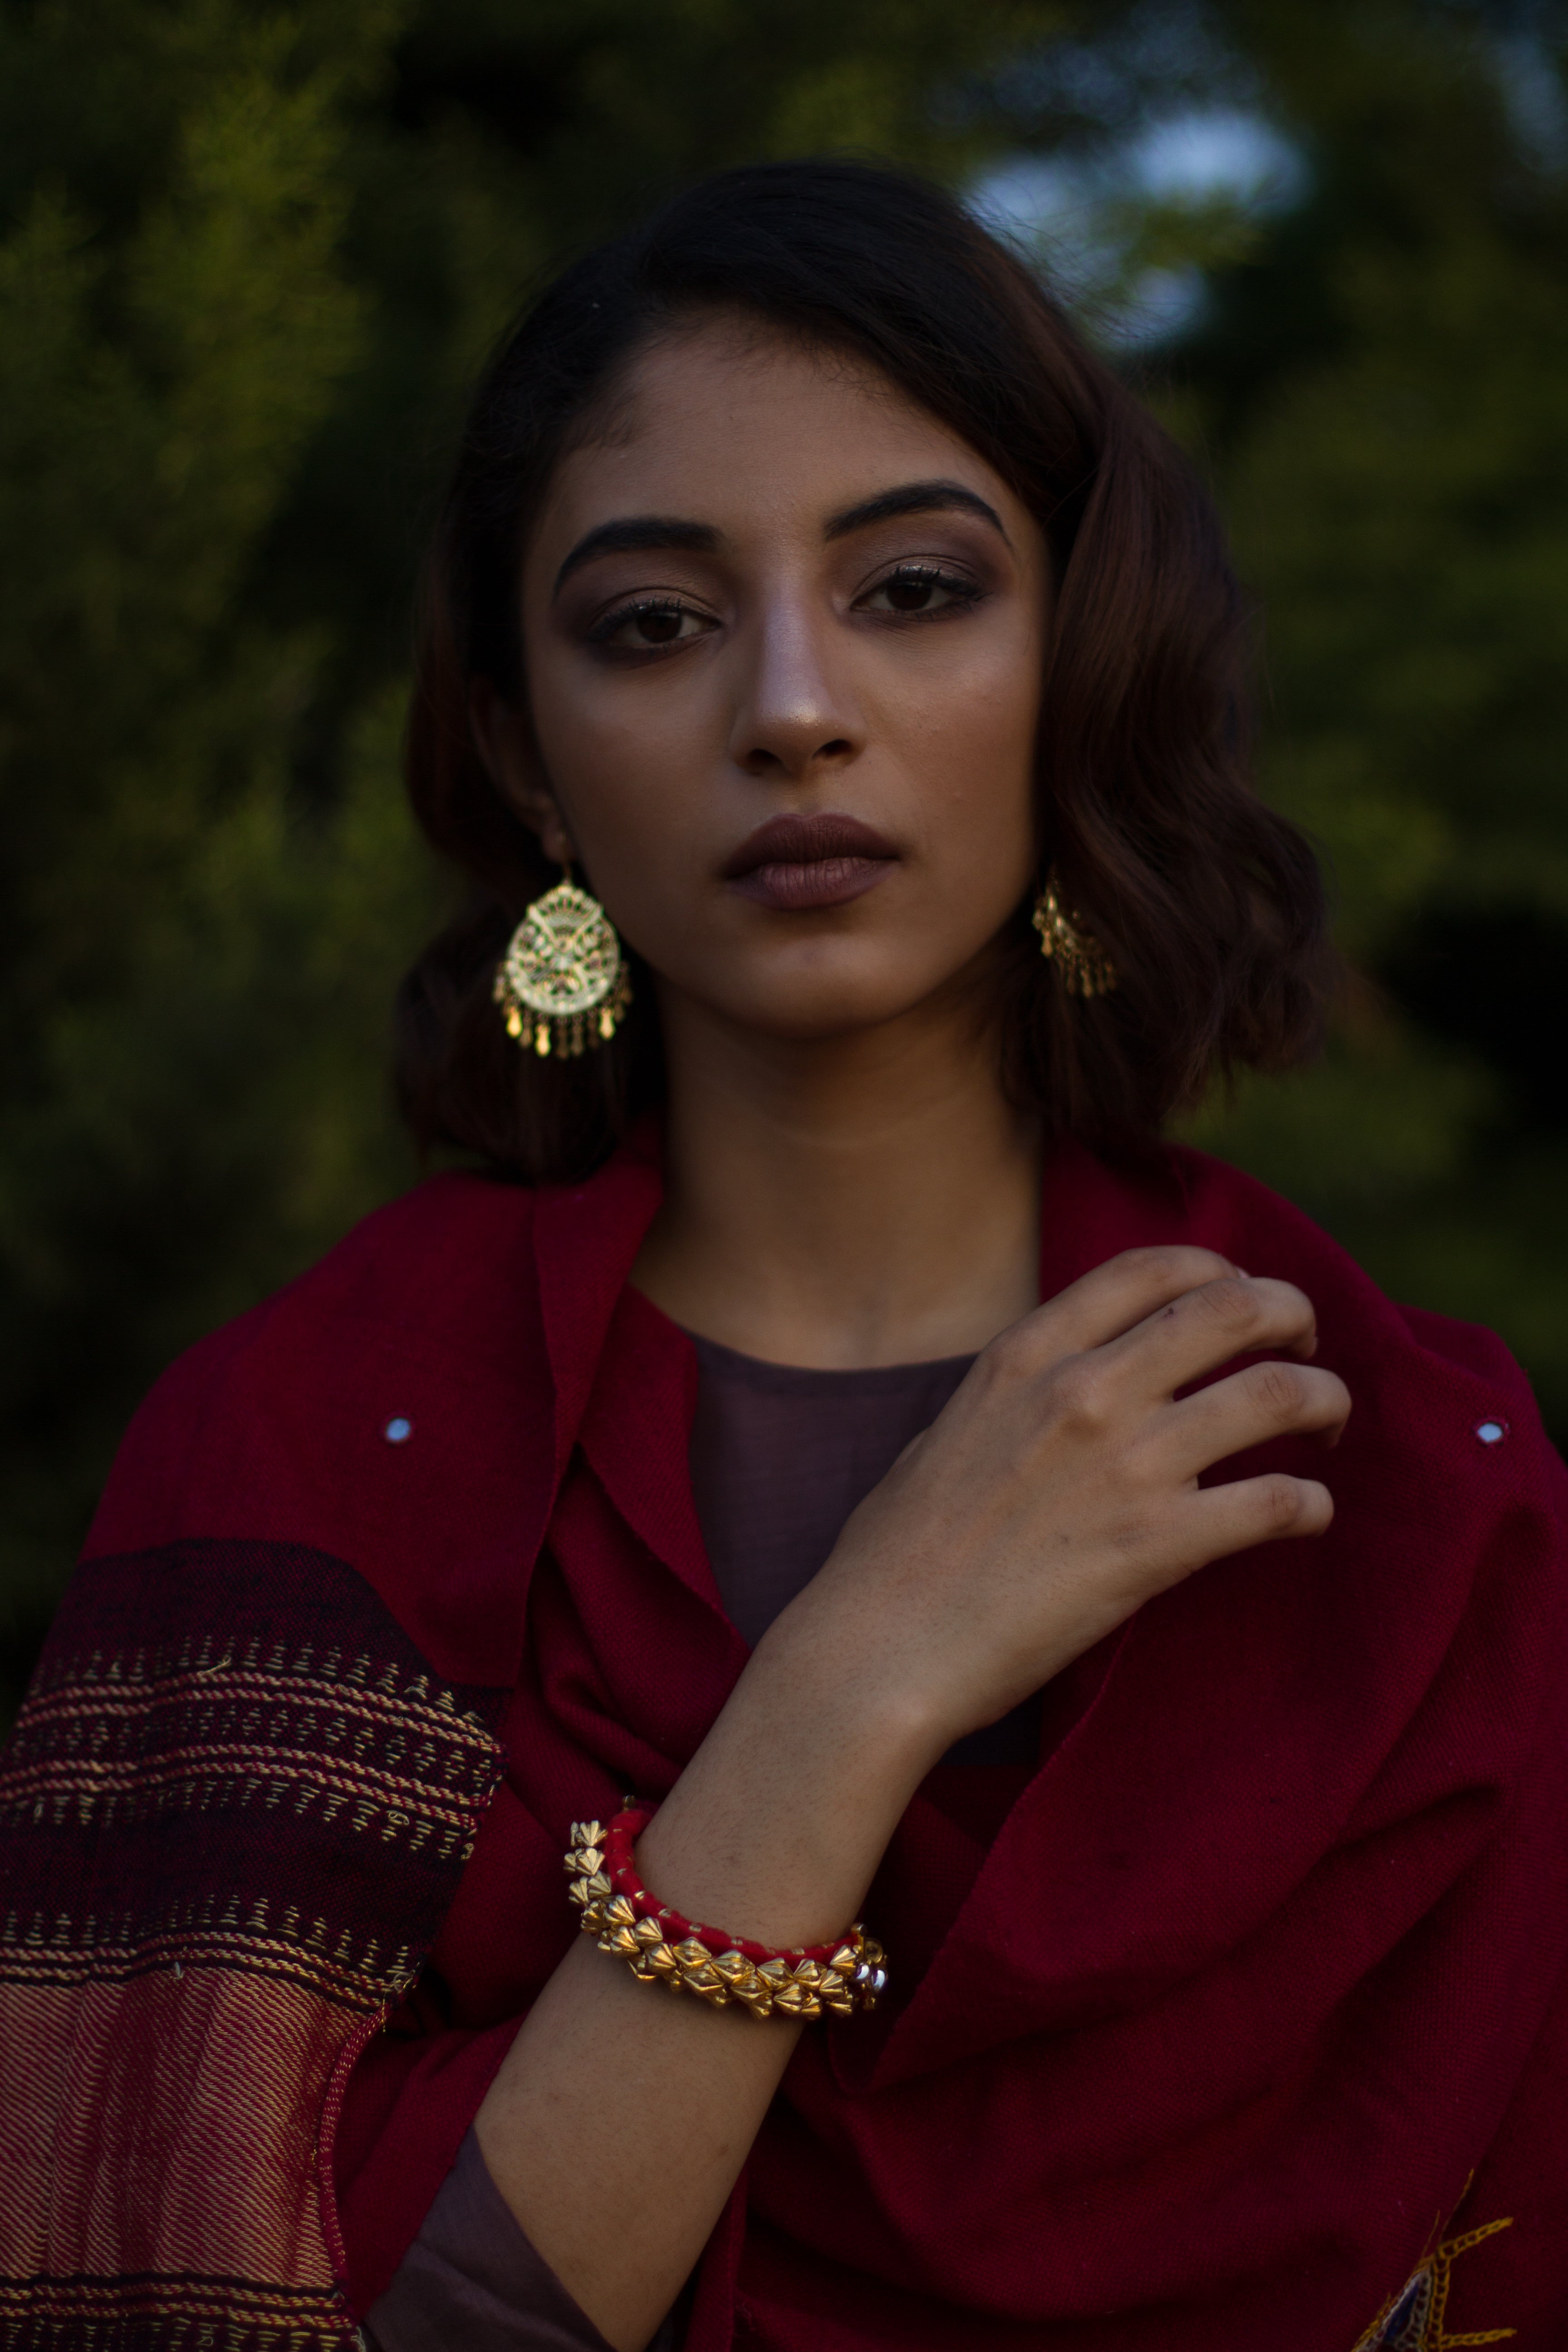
(1067, 941)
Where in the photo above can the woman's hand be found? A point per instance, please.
(1059, 1490)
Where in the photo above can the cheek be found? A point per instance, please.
(639, 818)
(622, 772)
(642, 841)
(967, 735)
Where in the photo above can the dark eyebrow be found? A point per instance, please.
(631, 535)
(913, 498)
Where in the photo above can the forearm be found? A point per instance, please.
(621, 2117)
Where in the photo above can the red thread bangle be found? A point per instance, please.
(661, 1946)
(620, 1836)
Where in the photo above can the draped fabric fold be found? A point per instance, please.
(1237, 2024)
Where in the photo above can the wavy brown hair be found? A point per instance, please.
(1210, 905)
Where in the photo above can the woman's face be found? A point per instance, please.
(784, 635)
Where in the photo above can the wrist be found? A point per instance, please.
(776, 1827)
(831, 1676)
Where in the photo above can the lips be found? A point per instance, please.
(793, 863)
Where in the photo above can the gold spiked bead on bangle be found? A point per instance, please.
(781, 1986)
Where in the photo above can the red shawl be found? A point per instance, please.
(1238, 2028)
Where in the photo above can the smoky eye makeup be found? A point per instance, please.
(921, 589)
(946, 566)
(940, 582)
(917, 589)
(649, 622)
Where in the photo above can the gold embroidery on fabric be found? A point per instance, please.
(1421, 2304)
(221, 2314)
(186, 1725)
(386, 1776)
(56, 1949)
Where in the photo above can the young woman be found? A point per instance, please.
(833, 1432)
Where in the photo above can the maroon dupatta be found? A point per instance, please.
(1235, 2026)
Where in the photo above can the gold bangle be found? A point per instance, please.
(631, 1927)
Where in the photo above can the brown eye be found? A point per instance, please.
(921, 592)
(649, 627)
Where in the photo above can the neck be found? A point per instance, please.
(868, 1199)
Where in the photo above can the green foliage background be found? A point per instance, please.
(249, 260)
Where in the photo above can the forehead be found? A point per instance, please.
(740, 425)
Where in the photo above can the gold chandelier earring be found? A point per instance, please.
(1066, 939)
(563, 984)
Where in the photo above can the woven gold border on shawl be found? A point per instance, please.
(227, 1852)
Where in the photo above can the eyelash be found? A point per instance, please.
(606, 629)
(962, 594)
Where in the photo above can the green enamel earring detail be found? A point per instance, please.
(563, 984)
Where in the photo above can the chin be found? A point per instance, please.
(828, 1005)
(817, 988)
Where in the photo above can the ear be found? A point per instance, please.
(505, 744)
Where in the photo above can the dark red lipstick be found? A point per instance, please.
(796, 862)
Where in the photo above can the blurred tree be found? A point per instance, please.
(1381, 386)
(179, 1123)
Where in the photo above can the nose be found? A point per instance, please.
(795, 714)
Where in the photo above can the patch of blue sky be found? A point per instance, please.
(1531, 81)
(1195, 157)
(1071, 212)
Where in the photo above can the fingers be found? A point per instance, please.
(1208, 1326)
(1115, 1298)
(1247, 1511)
(1263, 1400)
